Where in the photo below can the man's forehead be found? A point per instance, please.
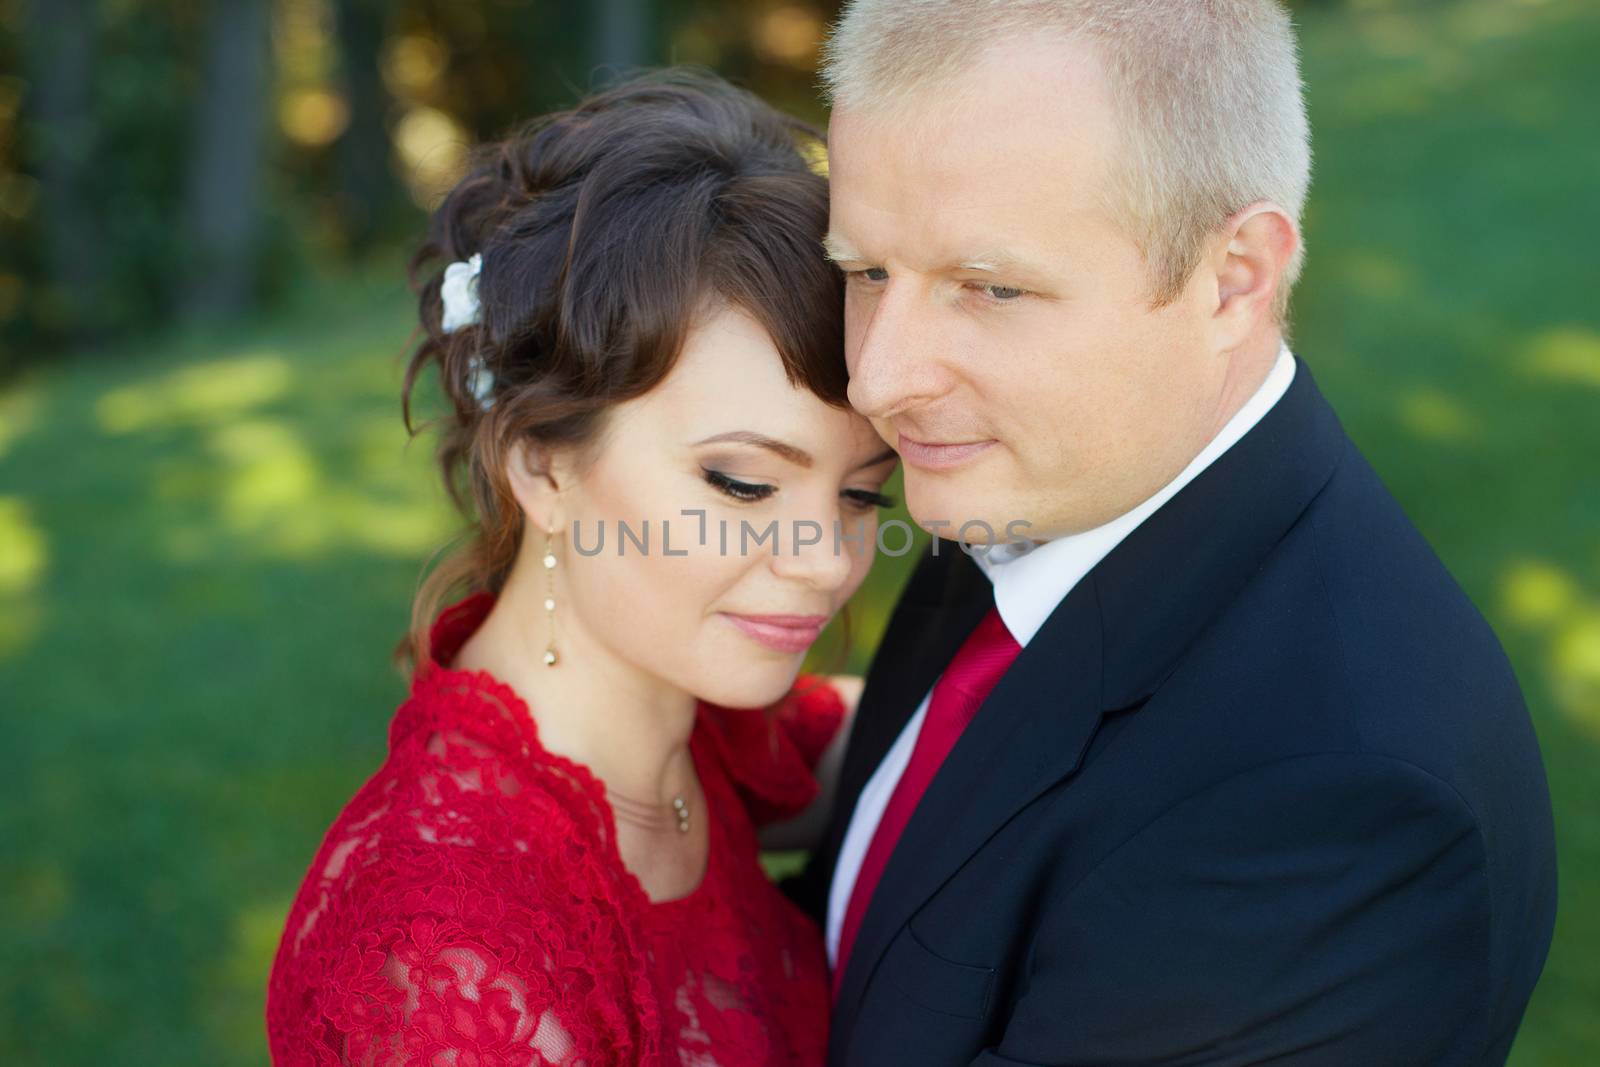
(1047, 78)
(970, 190)
(976, 218)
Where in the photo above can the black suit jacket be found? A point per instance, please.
(1263, 789)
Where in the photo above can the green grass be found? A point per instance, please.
(208, 543)
(1450, 311)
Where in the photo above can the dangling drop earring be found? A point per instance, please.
(550, 657)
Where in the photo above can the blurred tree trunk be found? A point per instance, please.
(621, 29)
(366, 186)
(60, 49)
(227, 160)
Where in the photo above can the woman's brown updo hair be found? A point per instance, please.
(606, 231)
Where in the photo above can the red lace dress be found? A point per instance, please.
(469, 906)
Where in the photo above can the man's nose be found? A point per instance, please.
(894, 353)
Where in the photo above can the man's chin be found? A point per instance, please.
(945, 511)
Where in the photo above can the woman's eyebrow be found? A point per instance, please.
(798, 456)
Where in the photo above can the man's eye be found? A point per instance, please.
(870, 274)
(1002, 293)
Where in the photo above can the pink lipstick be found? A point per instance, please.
(783, 633)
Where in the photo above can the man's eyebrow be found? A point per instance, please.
(798, 456)
(839, 250)
(991, 261)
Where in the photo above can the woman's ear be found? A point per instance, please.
(537, 476)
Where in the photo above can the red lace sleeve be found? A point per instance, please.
(435, 987)
(433, 930)
(770, 753)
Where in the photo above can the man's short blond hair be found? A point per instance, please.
(1208, 92)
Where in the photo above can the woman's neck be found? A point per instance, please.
(629, 728)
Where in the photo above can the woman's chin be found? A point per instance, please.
(753, 686)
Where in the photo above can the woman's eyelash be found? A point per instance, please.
(745, 491)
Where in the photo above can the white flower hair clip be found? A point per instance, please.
(459, 293)
(481, 381)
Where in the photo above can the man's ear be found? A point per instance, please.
(1250, 258)
(537, 476)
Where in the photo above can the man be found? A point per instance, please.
(1203, 758)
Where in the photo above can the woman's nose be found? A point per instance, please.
(817, 551)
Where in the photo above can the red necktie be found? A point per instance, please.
(959, 693)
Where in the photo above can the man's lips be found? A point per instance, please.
(785, 633)
(939, 456)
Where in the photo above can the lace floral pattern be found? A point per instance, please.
(469, 906)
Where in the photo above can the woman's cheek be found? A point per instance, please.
(862, 554)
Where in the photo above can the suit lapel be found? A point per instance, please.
(1031, 731)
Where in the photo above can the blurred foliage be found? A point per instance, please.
(210, 533)
(372, 104)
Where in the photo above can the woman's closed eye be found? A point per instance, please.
(746, 492)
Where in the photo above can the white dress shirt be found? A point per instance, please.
(1030, 578)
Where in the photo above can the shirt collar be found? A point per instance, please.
(1031, 577)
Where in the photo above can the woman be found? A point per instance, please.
(558, 862)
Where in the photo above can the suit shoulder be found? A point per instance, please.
(1423, 669)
